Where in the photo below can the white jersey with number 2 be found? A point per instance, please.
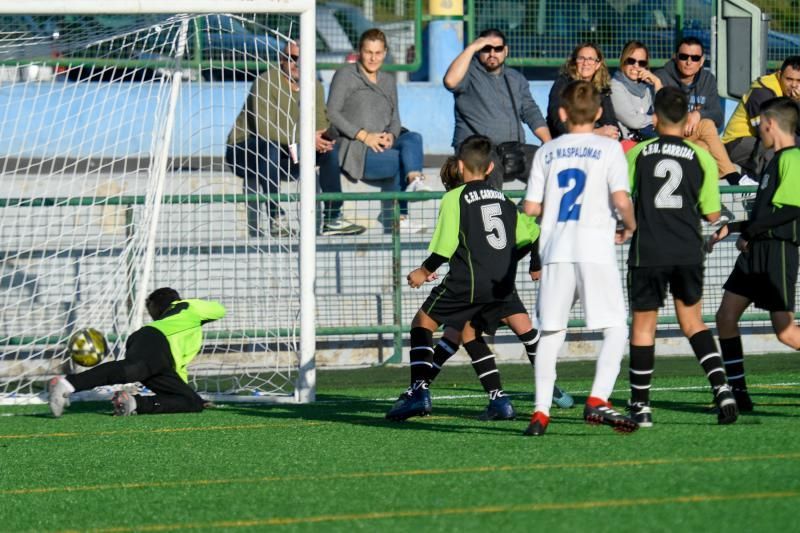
(573, 177)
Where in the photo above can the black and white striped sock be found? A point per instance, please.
(443, 351)
(530, 341)
(483, 362)
(733, 357)
(421, 354)
(640, 372)
(705, 349)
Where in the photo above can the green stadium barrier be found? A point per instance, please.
(361, 285)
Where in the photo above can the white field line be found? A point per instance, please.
(469, 396)
(483, 395)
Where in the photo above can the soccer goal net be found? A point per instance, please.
(120, 175)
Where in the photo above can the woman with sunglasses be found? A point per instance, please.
(633, 87)
(586, 63)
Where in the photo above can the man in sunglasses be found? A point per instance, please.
(492, 100)
(262, 148)
(685, 71)
(741, 135)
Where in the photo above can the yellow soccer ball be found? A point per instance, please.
(87, 347)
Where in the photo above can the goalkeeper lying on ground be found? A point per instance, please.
(155, 355)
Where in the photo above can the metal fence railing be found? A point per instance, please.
(361, 291)
(543, 32)
(246, 41)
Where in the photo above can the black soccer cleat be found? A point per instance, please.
(727, 411)
(641, 413)
(743, 401)
(598, 412)
(498, 409)
(538, 425)
(416, 404)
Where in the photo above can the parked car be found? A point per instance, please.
(24, 38)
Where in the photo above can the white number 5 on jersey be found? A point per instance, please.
(493, 224)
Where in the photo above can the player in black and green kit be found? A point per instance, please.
(765, 273)
(673, 183)
(155, 355)
(476, 233)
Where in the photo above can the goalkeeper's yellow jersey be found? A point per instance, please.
(181, 325)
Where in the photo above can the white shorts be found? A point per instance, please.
(598, 286)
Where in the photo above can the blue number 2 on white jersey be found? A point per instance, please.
(574, 180)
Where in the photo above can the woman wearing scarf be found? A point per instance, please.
(632, 89)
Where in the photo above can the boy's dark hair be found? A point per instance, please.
(581, 100)
(791, 61)
(671, 105)
(476, 153)
(161, 298)
(691, 41)
(784, 111)
(451, 177)
(493, 32)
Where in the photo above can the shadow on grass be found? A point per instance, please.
(91, 408)
(446, 417)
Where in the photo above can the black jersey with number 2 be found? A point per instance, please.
(673, 183)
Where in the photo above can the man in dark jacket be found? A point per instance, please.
(686, 72)
(490, 99)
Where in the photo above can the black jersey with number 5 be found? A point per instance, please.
(673, 183)
(477, 231)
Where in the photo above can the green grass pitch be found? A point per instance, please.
(337, 465)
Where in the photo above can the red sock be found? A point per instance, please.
(593, 401)
(542, 418)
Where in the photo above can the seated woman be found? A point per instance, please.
(585, 63)
(362, 106)
(633, 87)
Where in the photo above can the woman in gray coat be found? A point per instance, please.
(362, 106)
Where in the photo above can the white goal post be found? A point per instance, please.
(117, 180)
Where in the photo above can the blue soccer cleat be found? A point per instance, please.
(418, 403)
(498, 409)
(562, 399)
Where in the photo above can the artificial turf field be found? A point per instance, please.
(337, 465)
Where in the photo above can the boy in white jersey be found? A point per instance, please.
(576, 183)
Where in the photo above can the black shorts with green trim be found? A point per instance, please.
(456, 312)
(766, 275)
(492, 315)
(647, 285)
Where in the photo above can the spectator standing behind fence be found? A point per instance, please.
(261, 147)
(586, 63)
(362, 106)
(685, 71)
(741, 138)
(633, 87)
(492, 100)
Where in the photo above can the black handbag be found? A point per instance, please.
(515, 156)
(514, 161)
